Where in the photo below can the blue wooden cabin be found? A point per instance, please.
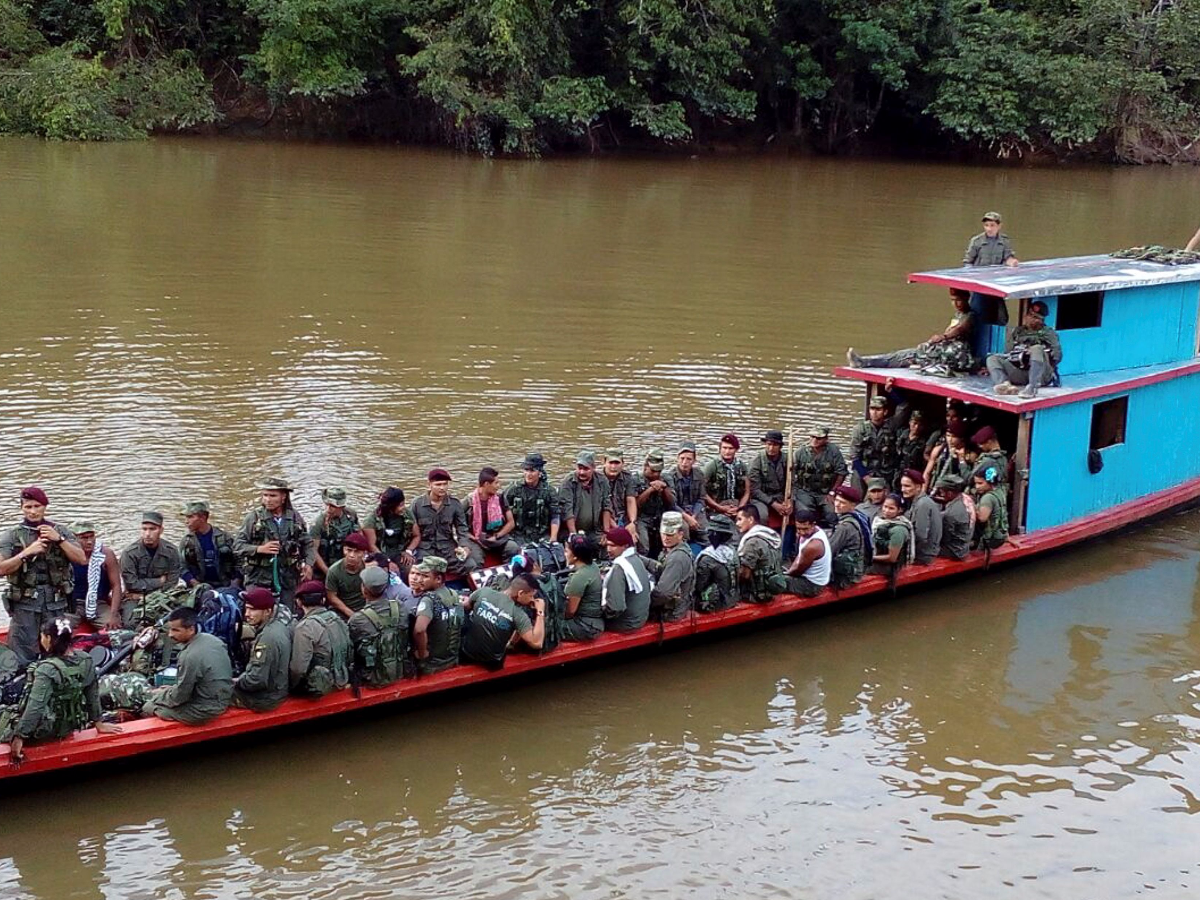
(1130, 383)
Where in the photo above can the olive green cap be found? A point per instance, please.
(950, 483)
(153, 517)
(334, 496)
(586, 458)
(82, 527)
(431, 565)
(655, 460)
(273, 484)
(720, 522)
(876, 484)
(613, 453)
(194, 507)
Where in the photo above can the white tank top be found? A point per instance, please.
(820, 569)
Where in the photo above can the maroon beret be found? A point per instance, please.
(312, 586)
(36, 494)
(439, 475)
(984, 434)
(258, 598)
(356, 540)
(619, 536)
(914, 475)
(848, 492)
(731, 438)
(958, 429)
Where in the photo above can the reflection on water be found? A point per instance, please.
(185, 317)
(1040, 733)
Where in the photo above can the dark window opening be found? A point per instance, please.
(1079, 310)
(1108, 423)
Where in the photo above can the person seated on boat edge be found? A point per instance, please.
(148, 564)
(726, 479)
(396, 588)
(203, 684)
(873, 443)
(958, 518)
(717, 568)
(654, 497)
(877, 490)
(1031, 358)
(264, 683)
(811, 570)
(343, 581)
(438, 625)
(534, 501)
(768, 480)
(991, 510)
(817, 470)
(625, 588)
(990, 453)
(760, 559)
(330, 528)
(850, 542)
(892, 533)
(672, 596)
(441, 528)
(273, 543)
(98, 591)
(497, 621)
(686, 483)
(622, 495)
(584, 620)
(390, 529)
(490, 522)
(925, 516)
(60, 695)
(585, 502)
(945, 353)
(207, 551)
(379, 632)
(320, 660)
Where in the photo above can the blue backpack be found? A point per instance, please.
(219, 613)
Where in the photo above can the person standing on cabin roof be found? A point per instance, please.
(988, 248)
(204, 677)
(273, 543)
(1032, 357)
(330, 528)
(768, 479)
(925, 516)
(811, 570)
(207, 551)
(536, 510)
(726, 479)
(817, 471)
(264, 683)
(490, 522)
(944, 354)
(873, 443)
(585, 503)
(97, 594)
(441, 528)
(687, 484)
(148, 564)
(622, 494)
(654, 499)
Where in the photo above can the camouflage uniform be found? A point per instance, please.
(534, 510)
(145, 570)
(227, 560)
(328, 534)
(814, 475)
(39, 590)
(129, 691)
(764, 559)
(724, 482)
(874, 448)
(768, 480)
(281, 573)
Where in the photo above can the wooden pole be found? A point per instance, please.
(791, 458)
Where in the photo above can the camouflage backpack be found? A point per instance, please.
(158, 604)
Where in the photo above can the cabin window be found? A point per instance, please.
(1108, 423)
(1079, 310)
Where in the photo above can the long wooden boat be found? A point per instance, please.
(1150, 376)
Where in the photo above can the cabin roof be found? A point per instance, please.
(1055, 277)
(977, 389)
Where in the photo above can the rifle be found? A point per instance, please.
(141, 641)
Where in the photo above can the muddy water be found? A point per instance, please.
(182, 318)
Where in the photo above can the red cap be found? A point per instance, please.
(439, 475)
(36, 494)
(848, 492)
(356, 540)
(983, 435)
(258, 598)
(619, 536)
(731, 438)
(915, 476)
(312, 586)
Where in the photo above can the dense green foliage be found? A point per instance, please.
(1112, 78)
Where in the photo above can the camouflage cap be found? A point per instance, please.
(655, 460)
(879, 403)
(586, 458)
(274, 484)
(819, 431)
(431, 565)
(82, 527)
(687, 447)
(334, 496)
(876, 484)
(991, 216)
(153, 517)
(721, 522)
(672, 523)
(614, 453)
(193, 508)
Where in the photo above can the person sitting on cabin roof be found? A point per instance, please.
(892, 533)
(958, 519)
(1032, 357)
(760, 559)
(925, 516)
(850, 542)
(944, 353)
(204, 676)
(991, 510)
(990, 452)
(811, 570)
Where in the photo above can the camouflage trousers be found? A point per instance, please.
(124, 690)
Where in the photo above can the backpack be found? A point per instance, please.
(556, 604)
(158, 604)
(551, 557)
(66, 709)
(380, 656)
(220, 614)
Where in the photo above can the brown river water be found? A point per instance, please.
(182, 318)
